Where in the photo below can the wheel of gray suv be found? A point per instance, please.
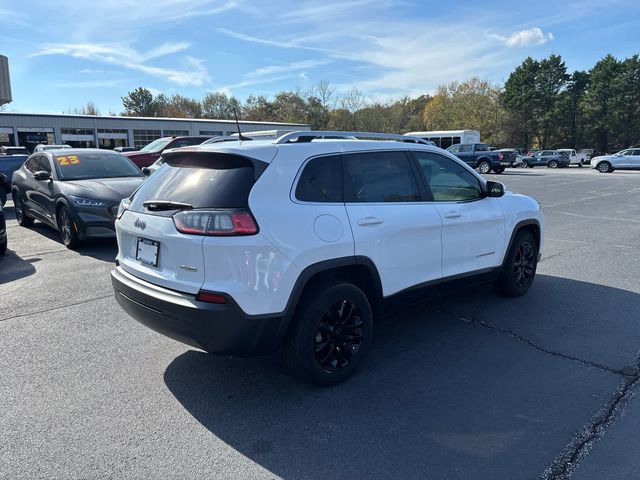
(553, 164)
(604, 167)
(330, 335)
(484, 167)
(21, 215)
(519, 268)
(67, 230)
(524, 164)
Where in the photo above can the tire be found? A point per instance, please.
(498, 170)
(524, 164)
(553, 164)
(68, 232)
(520, 266)
(484, 167)
(604, 167)
(580, 164)
(3, 246)
(312, 348)
(3, 196)
(21, 215)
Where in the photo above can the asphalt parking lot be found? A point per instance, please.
(469, 386)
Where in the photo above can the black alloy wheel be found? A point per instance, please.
(339, 335)
(21, 215)
(519, 268)
(67, 229)
(524, 264)
(330, 333)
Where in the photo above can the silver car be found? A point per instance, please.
(628, 159)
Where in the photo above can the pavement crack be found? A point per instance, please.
(626, 372)
(59, 307)
(566, 463)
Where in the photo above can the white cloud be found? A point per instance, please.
(300, 65)
(122, 55)
(402, 57)
(524, 38)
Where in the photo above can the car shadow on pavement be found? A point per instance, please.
(439, 396)
(13, 267)
(104, 249)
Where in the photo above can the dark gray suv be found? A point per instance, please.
(546, 158)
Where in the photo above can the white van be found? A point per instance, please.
(445, 138)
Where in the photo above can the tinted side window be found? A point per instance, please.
(32, 164)
(379, 177)
(321, 180)
(454, 149)
(481, 147)
(44, 164)
(448, 180)
(466, 148)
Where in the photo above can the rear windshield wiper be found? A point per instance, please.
(158, 205)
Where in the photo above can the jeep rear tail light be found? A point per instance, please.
(215, 222)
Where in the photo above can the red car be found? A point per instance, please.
(150, 153)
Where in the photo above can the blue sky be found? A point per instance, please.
(64, 53)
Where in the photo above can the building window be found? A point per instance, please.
(175, 133)
(7, 139)
(111, 138)
(78, 137)
(111, 130)
(111, 143)
(229, 133)
(145, 137)
(76, 131)
(211, 133)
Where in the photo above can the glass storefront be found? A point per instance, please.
(30, 137)
(110, 138)
(145, 137)
(7, 138)
(211, 133)
(78, 137)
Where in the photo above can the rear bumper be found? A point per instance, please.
(223, 329)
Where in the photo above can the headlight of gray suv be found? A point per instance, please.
(87, 202)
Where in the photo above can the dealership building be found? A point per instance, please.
(89, 131)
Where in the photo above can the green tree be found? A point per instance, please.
(519, 97)
(221, 106)
(139, 102)
(551, 78)
(600, 100)
(471, 105)
(570, 116)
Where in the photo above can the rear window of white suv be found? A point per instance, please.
(201, 180)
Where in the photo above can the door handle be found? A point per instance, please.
(369, 221)
(452, 215)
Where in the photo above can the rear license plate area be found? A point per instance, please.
(147, 251)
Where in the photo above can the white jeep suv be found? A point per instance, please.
(298, 243)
